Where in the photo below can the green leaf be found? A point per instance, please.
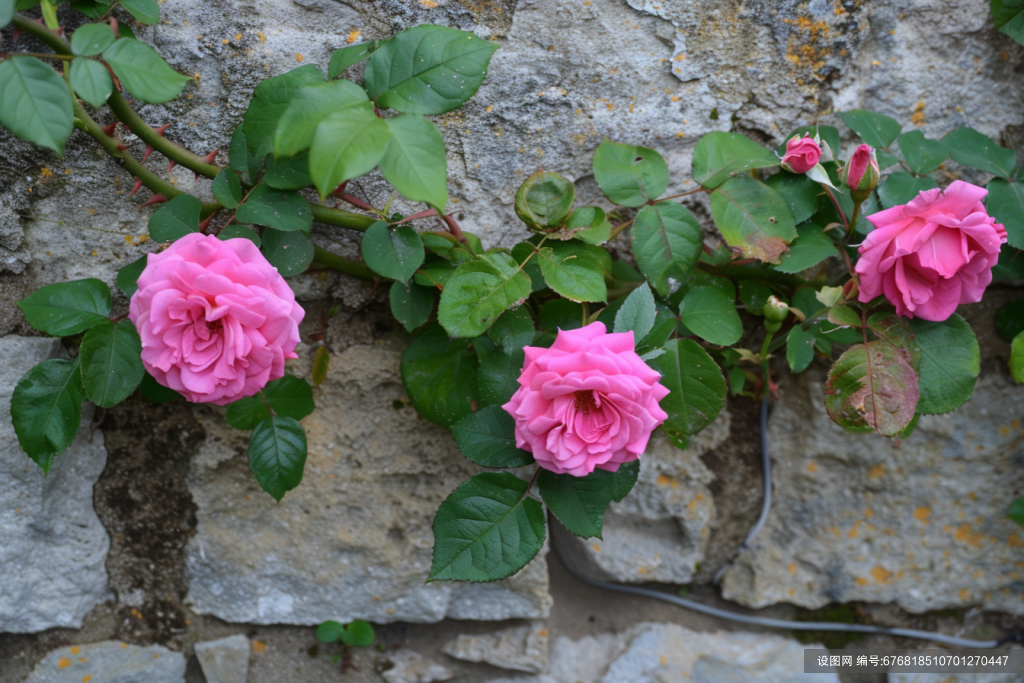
(227, 188)
(811, 246)
(128, 276)
(544, 200)
(487, 437)
(6, 12)
(949, 365)
(175, 219)
(560, 314)
(921, 154)
(349, 56)
(877, 130)
(719, 155)
(479, 291)
(754, 295)
(289, 252)
(46, 408)
(1006, 203)
(270, 100)
(710, 314)
(901, 187)
(1016, 511)
(666, 241)
(970, 148)
(277, 455)
(349, 143)
(411, 304)
(66, 308)
(1010, 265)
(309, 107)
(415, 162)
(579, 503)
(439, 375)
(572, 271)
(321, 363)
(799, 348)
(284, 211)
(434, 274)
(498, 376)
(595, 226)
(111, 363)
(1017, 359)
(287, 396)
(801, 194)
(236, 231)
(427, 69)
(36, 103)
(1007, 15)
(1010, 319)
(146, 11)
(513, 330)
(288, 174)
(844, 315)
(329, 631)
(695, 383)
(753, 218)
(628, 175)
(91, 81)
(143, 72)
(637, 313)
(872, 387)
(155, 392)
(92, 39)
(358, 633)
(241, 160)
(486, 530)
(394, 252)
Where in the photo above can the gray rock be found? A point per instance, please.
(412, 667)
(225, 660)
(956, 678)
(54, 547)
(110, 662)
(523, 648)
(354, 540)
(660, 531)
(920, 522)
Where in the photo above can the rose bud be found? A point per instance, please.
(217, 321)
(932, 254)
(587, 402)
(802, 154)
(861, 172)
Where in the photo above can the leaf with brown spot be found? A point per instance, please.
(753, 218)
(872, 387)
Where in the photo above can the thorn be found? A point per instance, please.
(122, 148)
(171, 165)
(138, 186)
(155, 199)
(113, 25)
(211, 156)
(205, 224)
(160, 131)
(14, 35)
(149, 150)
(60, 31)
(339, 191)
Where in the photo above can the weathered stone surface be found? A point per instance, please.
(921, 523)
(110, 662)
(523, 648)
(956, 678)
(225, 660)
(354, 540)
(412, 667)
(660, 531)
(53, 546)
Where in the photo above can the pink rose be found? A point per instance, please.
(802, 154)
(861, 172)
(588, 401)
(932, 254)
(217, 321)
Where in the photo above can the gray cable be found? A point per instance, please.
(767, 621)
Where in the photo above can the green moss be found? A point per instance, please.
(845, 613)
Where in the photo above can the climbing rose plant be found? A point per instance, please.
(551, 358)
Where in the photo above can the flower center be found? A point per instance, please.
(586, 402)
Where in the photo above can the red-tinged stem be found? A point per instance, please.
(422, 214)
(453, 228)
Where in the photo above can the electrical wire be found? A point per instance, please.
(768, 621)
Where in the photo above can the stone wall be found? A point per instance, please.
(353, 540)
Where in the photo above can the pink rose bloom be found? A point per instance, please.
(802, 154)
(932, 254)
(587, 402)
(861, 171)
(217, 321)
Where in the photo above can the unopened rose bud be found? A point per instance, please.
(861, 172)
(775, 310)
(802, 154)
